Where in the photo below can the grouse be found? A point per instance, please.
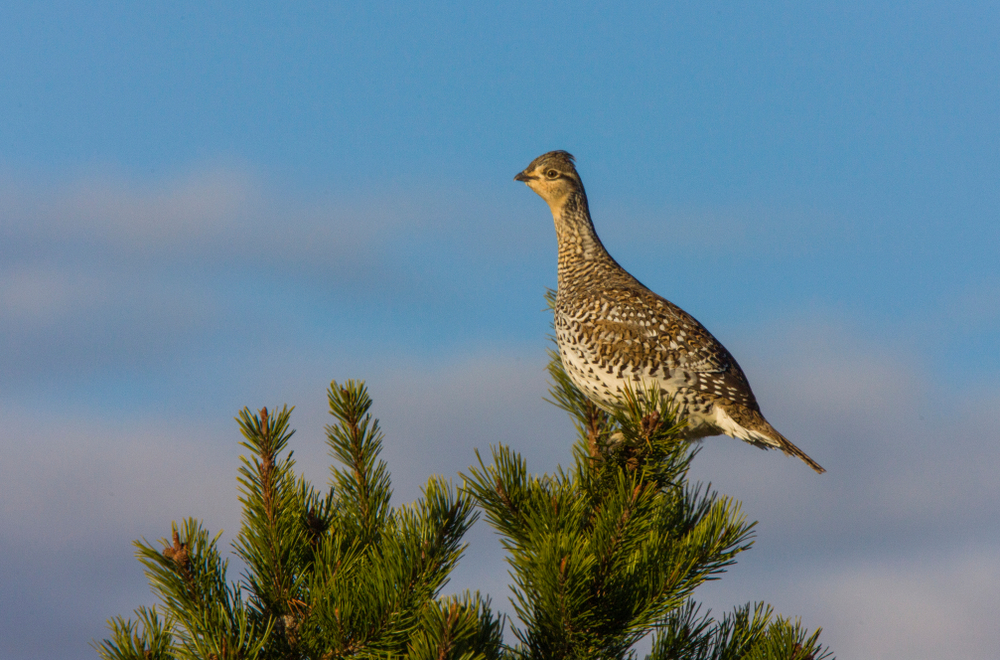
(614, 333)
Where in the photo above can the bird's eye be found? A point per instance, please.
(552, 174)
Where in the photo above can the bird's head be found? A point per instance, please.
(553, 177)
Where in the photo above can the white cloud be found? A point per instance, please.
(937, 607)
(922, 603)
(84, 480)
(827, 367)
(105, 208)
(108, 250)
(77, 488)
(190, 208)
(216, 212)
(107, 271)
(34, 295)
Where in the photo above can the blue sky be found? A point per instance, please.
(215, 205)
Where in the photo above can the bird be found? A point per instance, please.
(613, 333)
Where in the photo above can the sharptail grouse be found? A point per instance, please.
(612, 331)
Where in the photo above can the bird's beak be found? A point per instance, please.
(521, 176)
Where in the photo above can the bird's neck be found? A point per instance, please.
(579, 245)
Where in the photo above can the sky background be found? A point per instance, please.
(211, 205)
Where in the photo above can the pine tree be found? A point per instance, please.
(601, 555)
(328, 575)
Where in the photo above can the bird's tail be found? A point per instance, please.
(756, 430)
(775, 439)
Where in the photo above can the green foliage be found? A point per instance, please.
(610, 551)
(205, 616)
(750, 632)
(460, 628)
(601, 555)
(328, 574)
(149, 638)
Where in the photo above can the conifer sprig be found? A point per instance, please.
(356, 441)
(458, 628)
(189, 577)
(148, 638)
(272, 539)
(381, 569)
(749, 632)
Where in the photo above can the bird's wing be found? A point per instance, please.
(650, 330)
(648, 327)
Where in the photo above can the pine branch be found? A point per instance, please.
(356, 441)
(750, 632)
(369, 597)
(460, 628)
(282, 520)
(189, 577)
(149, 638)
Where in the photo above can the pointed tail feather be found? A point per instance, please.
(786, 445)
(756, 430)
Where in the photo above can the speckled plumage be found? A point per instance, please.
(613, 331)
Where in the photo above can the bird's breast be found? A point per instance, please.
(604, 357)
